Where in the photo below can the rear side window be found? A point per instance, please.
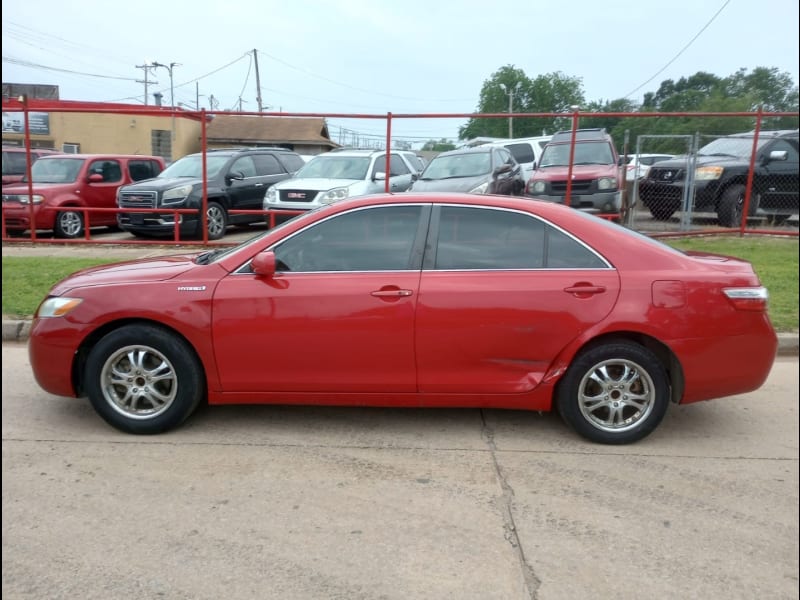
(522, 152)
(267, 164)
(140, 170)
(490, 239)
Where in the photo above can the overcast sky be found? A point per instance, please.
(377, 56)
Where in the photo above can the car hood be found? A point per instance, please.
(162, 183)
(451, 184)
(314, 183)
(680, 162)
(135, 271)
(578, 172)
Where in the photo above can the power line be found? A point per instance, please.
(25, 63)
(674, 58)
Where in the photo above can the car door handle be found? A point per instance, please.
(259, 185)
(393, 292)
(585, 289)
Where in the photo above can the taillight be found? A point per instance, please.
(752, 298)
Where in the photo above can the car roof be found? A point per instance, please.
(109, 156)
(596, 133)
(767, 133)
(482, 149)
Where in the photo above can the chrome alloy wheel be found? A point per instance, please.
(139, 382)
(616, 395)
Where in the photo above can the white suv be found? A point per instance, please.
(340, 174)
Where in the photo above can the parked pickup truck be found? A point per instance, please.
(70, 181)
(721, 171)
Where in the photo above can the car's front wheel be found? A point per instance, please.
(616, 393)
(217, 219)
(143, 379)
(69, 224)
(731, 206)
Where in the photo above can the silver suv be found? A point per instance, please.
(340, 174)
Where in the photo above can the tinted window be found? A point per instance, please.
(143, 169)
(477, 238)
(375, 239)
(245, 166)
(109, 169)
(522, 152)
(267, 164)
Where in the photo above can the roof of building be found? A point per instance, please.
(268, 130)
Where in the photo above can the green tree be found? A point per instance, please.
(550, 93)
(442, 145)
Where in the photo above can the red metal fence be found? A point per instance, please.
(692, 196)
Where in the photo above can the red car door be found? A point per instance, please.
(501, 298)
(338, 318)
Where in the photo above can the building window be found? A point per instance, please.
(68, 148)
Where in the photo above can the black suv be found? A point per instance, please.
(238, 178)
(720, 176)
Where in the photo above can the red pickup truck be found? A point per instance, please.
(73, 181)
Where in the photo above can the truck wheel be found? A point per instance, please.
(217, 219)
(69, 224)
(731, 206)
(662, 213)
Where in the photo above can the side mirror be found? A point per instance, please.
(777, 155)
(379, 176)
(504, 168)
(234, 175)
(95, 178)
(263, 264)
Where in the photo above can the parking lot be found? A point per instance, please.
(314, 502)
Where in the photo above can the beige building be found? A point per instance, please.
(93, 127)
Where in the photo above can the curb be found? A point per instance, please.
(18, 331)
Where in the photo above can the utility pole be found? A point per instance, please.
(169, 68)
(510, 93)
(258, 82)
(146, 82)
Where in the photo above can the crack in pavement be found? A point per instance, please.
(532, 582)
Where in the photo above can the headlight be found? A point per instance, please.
(23, 198)
(607, 183)
(706, 173)
(176, 195)
(271, 197)
(334, 195)
(57, 307)
(481, 189)
(538, 187)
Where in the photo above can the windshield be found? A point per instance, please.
(56, 170)
(335, 167)
(192, 166)
(459, 165)
(586, 153)
(740, 147)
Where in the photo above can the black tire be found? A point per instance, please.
(616, 393)
(216, 220)
(662, 213)
(731, 206)
(143, 379)
(68, 224)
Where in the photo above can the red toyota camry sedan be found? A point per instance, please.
(418, 300)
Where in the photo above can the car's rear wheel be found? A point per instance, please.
(616, 393)
(68, 224)
(143, 379)
(217, 220)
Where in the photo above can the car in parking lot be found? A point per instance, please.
(15, 161)
(638, 165)
(596, 176)
(236, 179)
(480, 170)
(64, 183)
(416, 300)
(339, 174)
(720, 177)
(526, 151)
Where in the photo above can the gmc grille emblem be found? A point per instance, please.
(295, 195)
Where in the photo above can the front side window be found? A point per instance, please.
(374, 239)
(494, 239)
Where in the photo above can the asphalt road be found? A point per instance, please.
(337, 503)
